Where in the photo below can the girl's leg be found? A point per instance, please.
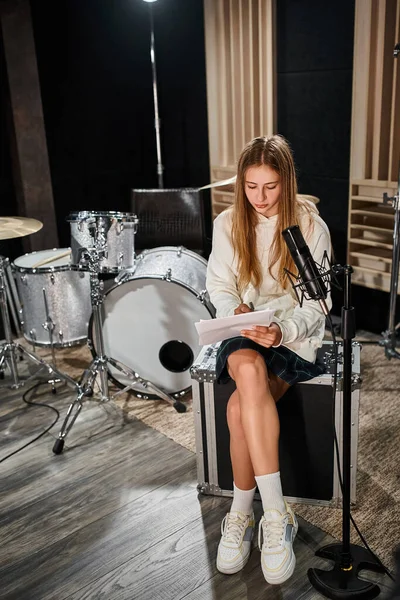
(238, 525)
(258, 413)
(243, 473)
(260, 423)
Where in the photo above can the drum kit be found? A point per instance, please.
(140, 329)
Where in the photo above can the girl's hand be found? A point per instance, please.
(265, 336)
(242, 308)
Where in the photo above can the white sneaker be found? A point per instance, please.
(277, 532)
(235, 544)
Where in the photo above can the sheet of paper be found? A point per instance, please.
(216, 330)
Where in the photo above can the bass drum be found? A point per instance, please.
(148, 319)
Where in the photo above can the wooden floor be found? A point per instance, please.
(117, 516)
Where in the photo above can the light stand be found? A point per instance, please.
(342, 581)
(160, 168)
(389, 336)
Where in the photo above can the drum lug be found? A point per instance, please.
(61, 336)
(179, 251)
(120, 258)
(119, 227)
(52, 278)
(168, 275)
(23, 279)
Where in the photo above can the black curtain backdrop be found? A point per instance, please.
(96, 81)
(95, 75)
(315, 78)
(315, 70)
(8, 201)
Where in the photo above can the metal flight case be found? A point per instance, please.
(307, 454)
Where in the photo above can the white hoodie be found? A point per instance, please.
(302, 327)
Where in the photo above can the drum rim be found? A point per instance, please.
(46, 269)
(206, 302)
(176, 249)
(103, 270)
(79, 215)
(76, 342)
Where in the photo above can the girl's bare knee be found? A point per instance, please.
(234, 416)
(246, 364)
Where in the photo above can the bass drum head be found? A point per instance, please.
(148, 325)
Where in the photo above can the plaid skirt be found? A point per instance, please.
(281, 361)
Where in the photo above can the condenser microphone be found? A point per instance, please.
(311, 279)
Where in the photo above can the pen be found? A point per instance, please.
(251, 305)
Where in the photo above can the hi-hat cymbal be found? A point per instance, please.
(14, 227)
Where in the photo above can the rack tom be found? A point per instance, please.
(114, 232)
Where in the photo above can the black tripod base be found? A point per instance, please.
(340, 584)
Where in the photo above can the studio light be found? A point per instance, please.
(149, 0)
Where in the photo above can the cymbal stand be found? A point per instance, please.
(10, 350)
(90, 259)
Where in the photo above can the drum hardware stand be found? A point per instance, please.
(13, 301)
(9, 349)
(48, 326)
(91, 257)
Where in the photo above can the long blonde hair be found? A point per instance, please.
(274, 152)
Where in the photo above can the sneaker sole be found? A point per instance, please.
(284, 577)
(235, 569)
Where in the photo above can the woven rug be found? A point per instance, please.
(377, 512)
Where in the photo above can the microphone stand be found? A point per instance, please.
(342, 581)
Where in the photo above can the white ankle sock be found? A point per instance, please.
(270, 489)
(242, 500)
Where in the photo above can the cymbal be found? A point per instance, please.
(14, 227)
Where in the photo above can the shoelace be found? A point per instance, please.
(232, 527)
(272, 532)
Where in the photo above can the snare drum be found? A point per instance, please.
(148, 319)
(116, 229)
(46, 276)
